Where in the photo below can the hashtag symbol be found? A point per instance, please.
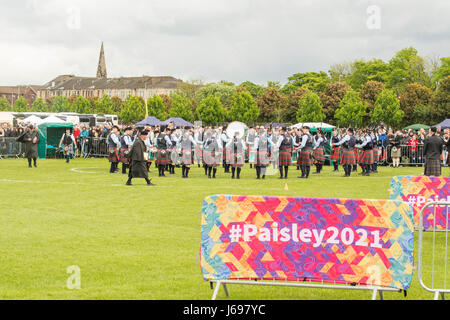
(412, 200)
(235, 233)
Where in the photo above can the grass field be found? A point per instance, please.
(139, 242)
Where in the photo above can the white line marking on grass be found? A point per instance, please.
(82, 171)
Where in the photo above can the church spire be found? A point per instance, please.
(101, 69)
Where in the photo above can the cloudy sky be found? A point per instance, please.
(211, 40)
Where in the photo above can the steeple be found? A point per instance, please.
(101, 69)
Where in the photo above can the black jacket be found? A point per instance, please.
(433, 147)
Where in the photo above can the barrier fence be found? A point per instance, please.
(9, 147)
(436, 263)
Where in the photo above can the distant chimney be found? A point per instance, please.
(101, 69)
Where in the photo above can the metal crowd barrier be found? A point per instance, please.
(96, 147)
(10, 148)
(439, 249)
(408, 156)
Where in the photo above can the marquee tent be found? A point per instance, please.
(50, 134)
(444, 124)
(149, 121)
(417, 126)
(33, 120)
(178, 122)
(53, 119)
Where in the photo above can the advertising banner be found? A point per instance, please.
(291, 238)
(418, 191)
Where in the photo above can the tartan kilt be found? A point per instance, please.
(113, 155)
(238, 160)
(198, 152)
(305, 158)
(376, 155)
(335, 154)
(285, 158)
(162, 157)
(262, 159)
(124, 158)
(186, 157)
(319, 155)
(433, 167)
(348, 157)
(211, 158)
(366, 157)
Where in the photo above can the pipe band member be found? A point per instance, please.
(126, 142)
(68, 141)
(285, 147)
(306, 150)
(113, 142)
(348, 157)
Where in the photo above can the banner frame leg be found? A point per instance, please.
(225, 288)
(216, 290)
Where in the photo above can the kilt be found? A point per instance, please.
(348, 157)
(433, 167)
(319, 155)
(335, 154)
(162, 157)
(113, 155)
(376, 155)
(186, 157)
(262, 159)
(198, 153)
(124, 158)
(285, 158)
(237, 160)
(366, 157)
(305, 158)
(211, 158)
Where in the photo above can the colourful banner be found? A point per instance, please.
(287, 238)
(418, 191)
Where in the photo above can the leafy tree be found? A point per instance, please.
(441, 101)
(39, 106)
(210, 110)
(315, 81)
(310, 108)
(156, 108)
(224, 92)
(244, 108)
(407, 67)
(442, 71)
(4, 105)
(271, 103)
(21, 105)
(104, 105)
(254, 89)
(369, 94)
(363, 71)
(341, 71)
(133, 110)
(413, 95)
(352, 110)
(290, 112)
(421, 114)
(331, 97)
(61, 104)
(116, 104)
(387, 109)
(181, 107)
(82, 105)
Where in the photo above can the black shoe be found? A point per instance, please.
(128, 184)
(263, 177)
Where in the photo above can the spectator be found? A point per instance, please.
(413, 143)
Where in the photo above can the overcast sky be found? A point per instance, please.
(211, 40)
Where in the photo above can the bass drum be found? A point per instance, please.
(236, 127)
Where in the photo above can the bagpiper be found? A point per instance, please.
(335, 150)
(319, 150)
(366, 158)
(126, 142)
(236, 148)
(262, 154)
(162, 142)
(285, 147)
(305, 156)
(348, 157)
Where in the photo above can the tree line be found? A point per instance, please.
(404, 90)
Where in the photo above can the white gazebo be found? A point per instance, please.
(53, 119)
(33, 120)
(321, 125)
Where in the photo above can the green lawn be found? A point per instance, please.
(141, 242)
